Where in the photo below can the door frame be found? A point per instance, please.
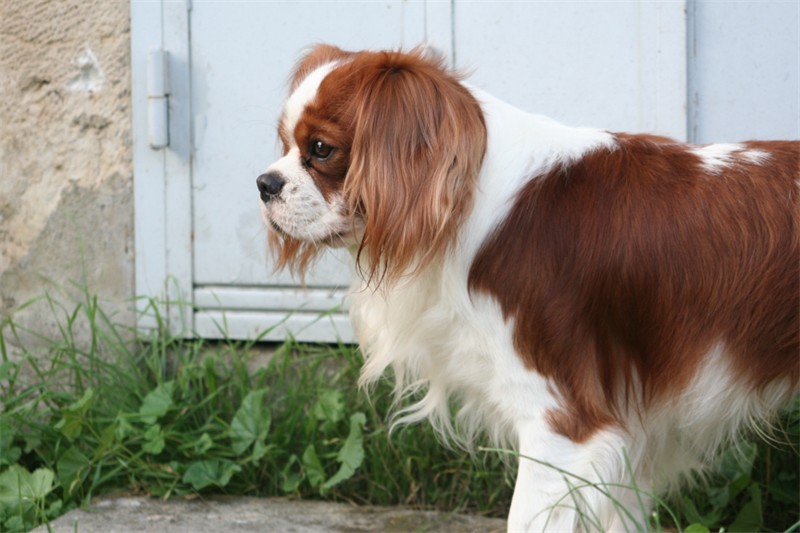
(162, 176)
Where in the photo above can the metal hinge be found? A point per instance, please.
(157, 98)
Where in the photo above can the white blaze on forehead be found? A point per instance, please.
(288, 166)
(304, 93)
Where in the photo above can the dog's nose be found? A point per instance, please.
(269, 185)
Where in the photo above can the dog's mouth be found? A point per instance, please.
(337, 239)
(277, 229)
(333, 239)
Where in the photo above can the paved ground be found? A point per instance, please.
(240, 515)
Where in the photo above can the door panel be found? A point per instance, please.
(743, 71)
(612, 65)
(616, 65)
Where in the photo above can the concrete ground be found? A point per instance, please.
(240, 515)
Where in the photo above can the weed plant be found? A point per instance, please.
(166, 416)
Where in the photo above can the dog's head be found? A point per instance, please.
(381, 152)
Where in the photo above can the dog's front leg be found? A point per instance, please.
(568, 486)
(541, 499)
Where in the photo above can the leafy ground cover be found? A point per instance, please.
(166, 416)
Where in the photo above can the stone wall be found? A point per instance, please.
(66, 172)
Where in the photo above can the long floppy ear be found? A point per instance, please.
(418, 145)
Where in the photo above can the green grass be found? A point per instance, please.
(165, 416)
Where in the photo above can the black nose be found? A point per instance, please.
(269, 185)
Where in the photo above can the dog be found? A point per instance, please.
(613, 307)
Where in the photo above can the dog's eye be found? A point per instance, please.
(320, 150)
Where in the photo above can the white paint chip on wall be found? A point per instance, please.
(90, 76)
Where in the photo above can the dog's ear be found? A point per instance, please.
(419, 140)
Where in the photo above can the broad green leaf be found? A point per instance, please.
(291, 479)
(12, 481)
(737, 485)
(42, 482)
(313, 467)
(329, 406)
(351, 455)
(690, 510)
(122, 428)
(14, 524)
(260, 449)
(157, 403)
(218, 472)
(750, 516)
(83, 403)
(738, 460)
(718, 497)
(8, 454)
(203, 444)
(18, 486)
(108, 439)
(54, 509)
(72, 417)
(694, 515)
(32, 441)
(154, 440)
(72, 468)
(250, 423)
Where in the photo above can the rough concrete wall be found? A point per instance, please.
(66, 172)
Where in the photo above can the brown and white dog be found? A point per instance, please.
(612, 306)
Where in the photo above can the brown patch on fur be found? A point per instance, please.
(624, 268)
(409, 142)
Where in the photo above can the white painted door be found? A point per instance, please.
(242, 55)
(229, 66)
(617, 65)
